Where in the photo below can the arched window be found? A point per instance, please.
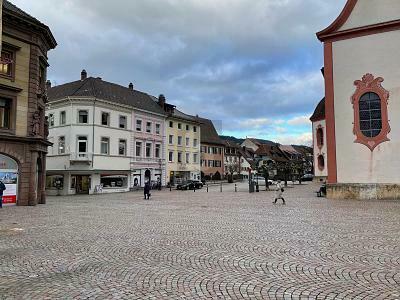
(320, 137)
(321, 162)
(370, 114)
(370, 104)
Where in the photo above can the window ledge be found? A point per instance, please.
(9, 87)
(10, 132)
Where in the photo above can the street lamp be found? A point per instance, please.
(257, 186)
(251, 185)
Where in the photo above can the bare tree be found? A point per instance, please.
(265, 168)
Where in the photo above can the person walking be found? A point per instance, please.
(159, 183)
(147, 190)
(2, 189)
(279, 192)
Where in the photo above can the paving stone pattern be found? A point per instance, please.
(186, 245)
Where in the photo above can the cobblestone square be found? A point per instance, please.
(199, 245)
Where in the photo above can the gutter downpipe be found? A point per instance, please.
(93, 117)
(70, 128)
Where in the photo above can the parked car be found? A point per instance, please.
(190, 185)
(307, 177)
(261, 180)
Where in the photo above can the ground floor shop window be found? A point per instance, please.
(9, 177)
(54, 182)
(73, 182)
(114, 181)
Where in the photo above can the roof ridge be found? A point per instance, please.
(121, 86)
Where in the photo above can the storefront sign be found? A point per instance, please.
(10, 181)
(9, 176)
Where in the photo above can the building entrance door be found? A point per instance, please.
(82, 184)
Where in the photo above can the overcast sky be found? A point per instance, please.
(252, 66)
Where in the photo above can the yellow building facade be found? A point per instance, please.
(182, 147)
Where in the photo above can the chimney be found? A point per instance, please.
(83, 74)
(161, 101)
(131, 86)
(48, 84)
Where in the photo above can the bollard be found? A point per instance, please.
(220, 187)
(194, 189)
(207, 188)
(170, 188)
(235, 188)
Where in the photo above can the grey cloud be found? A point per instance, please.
(222, 59)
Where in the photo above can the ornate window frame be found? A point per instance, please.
(367, 84)
(10, 96)
(321, 166)
(320, 139)
(12, 51)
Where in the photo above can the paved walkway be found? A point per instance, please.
(186, 245)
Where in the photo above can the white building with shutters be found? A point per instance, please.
(93, 128)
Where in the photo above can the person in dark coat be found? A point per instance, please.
(2, 189)
(147, 190)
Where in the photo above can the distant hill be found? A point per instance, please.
(231, 139)
(301, 148)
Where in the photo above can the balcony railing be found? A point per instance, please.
(148, 160)
(81, 157)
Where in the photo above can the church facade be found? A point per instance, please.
(319, 142)
(362, 101)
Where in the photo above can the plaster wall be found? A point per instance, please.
(71, 130)
(368, 12)
(320, 150)
(376, 54)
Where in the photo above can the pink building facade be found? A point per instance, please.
(148, 148)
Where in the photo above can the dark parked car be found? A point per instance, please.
(189, 185)
(307, 177)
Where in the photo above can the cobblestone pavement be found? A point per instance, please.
(186, 245)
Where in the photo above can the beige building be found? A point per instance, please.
(212, 151)
(23, 130)
(362, 100)
(182, 146)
